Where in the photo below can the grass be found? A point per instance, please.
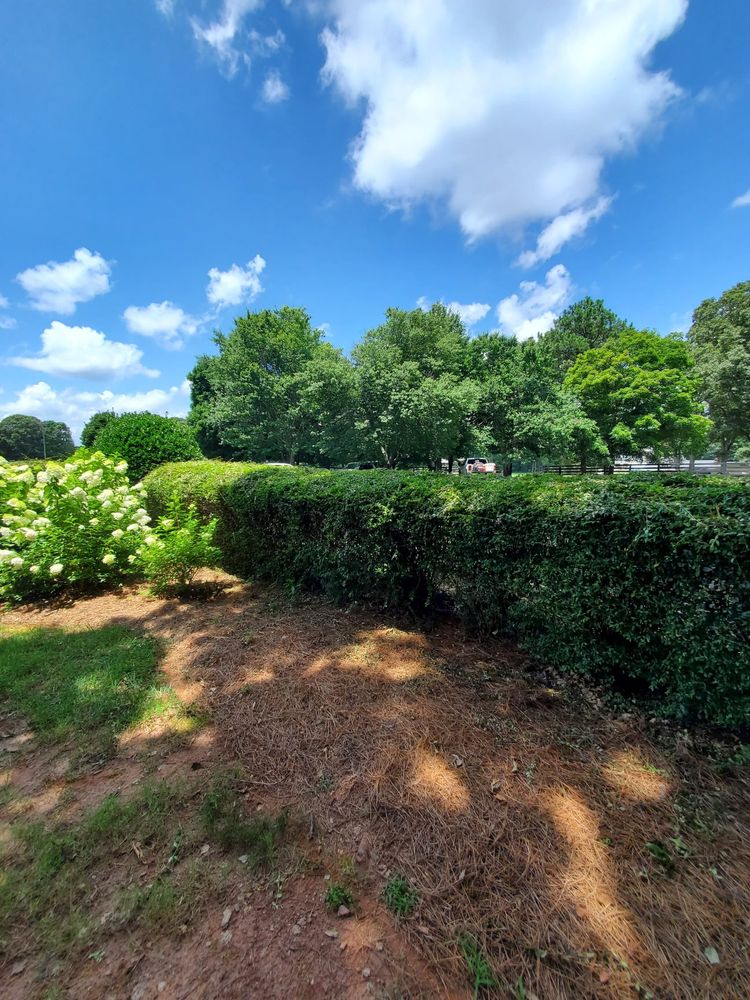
(88, 685)
(224, 820)
(48, 871)
(53, 873)
(399, 896)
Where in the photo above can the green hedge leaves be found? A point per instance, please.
(642, 578)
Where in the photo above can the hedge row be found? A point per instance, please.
(641, 578)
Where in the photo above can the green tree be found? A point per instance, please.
(414, 397)
(21, 437)
(146, 440)
(58, 441)
(256, 398)
(720, 338)
(93, 425)
(583, 325)
(641, 390)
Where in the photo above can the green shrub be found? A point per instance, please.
(95, 423)
(183, 545)
(74, 525)
(640, 579)
(146, 440)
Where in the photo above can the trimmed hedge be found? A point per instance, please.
(638, 577)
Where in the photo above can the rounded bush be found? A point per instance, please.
(146, 440)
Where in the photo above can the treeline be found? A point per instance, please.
(418, 389)
(24, 437)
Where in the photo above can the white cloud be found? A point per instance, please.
(469, 313)
(535, 309)
(238, 284)
(74, 408)
(742, 200)
(165, 7)
(274, 89)
(85, 353)
(6, 322)
(505, 111)
(55, 287)
(220, 36)
(164, 321)
(562, 229)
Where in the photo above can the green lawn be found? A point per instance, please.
(89, 685)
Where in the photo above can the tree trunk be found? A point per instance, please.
(691, 465)
(724, 460)
(450, 465)
(508, 469)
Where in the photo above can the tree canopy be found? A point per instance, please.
(720, 339)
(24, 437)
(418, 388)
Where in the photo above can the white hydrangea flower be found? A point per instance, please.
(121, 467)
(150, 539)
(6, 554)
(105, 495)
(77, 491)
(33, 569)
(118, 515)
(17, 562)
(42, 477)
(29, 533)
(118, 533)
(55, 569)
(7, 532)
(131, 559)
(108, 559)
(134, 527)
(106, 505)
(93, 521)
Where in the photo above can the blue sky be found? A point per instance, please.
(166, 165)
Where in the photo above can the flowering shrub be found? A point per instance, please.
(75, 524)
(183, 545)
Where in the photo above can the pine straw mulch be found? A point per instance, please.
(585, 855)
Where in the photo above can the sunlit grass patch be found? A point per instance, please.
(90, 685)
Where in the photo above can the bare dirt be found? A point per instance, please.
(525, 816)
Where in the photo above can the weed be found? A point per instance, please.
(399, 896)
(338, 895)
(325, 782)
(480, 971)
(224, 820)
(661, 855)
(519, 990)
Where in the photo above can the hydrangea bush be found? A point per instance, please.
(77, 524)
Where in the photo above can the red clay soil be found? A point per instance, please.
(522, 814)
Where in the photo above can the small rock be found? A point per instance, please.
(344, 911)
(139, 992)
(162, 986)
(205, 849)
(296, 929)
(366, 973)
(342, 946)
(331, 934)
(17, 968)
(243, 859)
(379, 946)
(226, 917)
(603, 977)
(226, 937)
